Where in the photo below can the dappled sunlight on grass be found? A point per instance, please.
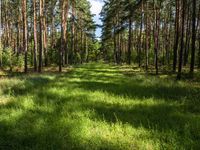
(98, 106)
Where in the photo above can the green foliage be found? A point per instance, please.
(53, 55)
(11, 59)
(98, 106)
(19, 60)
(77, 58)
(94, 51)
(8, 57)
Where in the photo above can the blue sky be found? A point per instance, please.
(96, 9)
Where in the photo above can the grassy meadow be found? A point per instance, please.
(99, 107)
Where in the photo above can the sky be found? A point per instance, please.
(96, 9)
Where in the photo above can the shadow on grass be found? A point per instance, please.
(138, 91)
(56, 121)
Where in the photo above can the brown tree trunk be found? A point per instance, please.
(182, 42)
(187, 41)
(25, 33)
(199, 38)
(66, 33)
(35, 35)
(129, 41)
(45, 41)
(140, 38)
(41, 37)
(147, 38)
(193, 46)
(73, 31)
(156, 36)
(63, 33)
(176, 41)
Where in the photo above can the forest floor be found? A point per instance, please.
(99, 106)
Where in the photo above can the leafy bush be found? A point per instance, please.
(77, 58)
(11, 59)
(7, 57)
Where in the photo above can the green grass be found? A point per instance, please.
(98, 106)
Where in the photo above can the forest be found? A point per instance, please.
(126, 77)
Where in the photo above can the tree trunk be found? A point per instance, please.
(45, 39)
(182, 42)
(140, 38)
(187, 37)
(147, 38)
(199, 38)
(156, 36)
(35, 35)
(176, 41)
(129, 41)
(25, 34)
(73, 31)
(41, 37)
(63, 33)
(193, 46)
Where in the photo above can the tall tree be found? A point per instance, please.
(193, 46)
(25, 35)
(176, 41)
(35, 35)
(182, 41)
(156, 33)
(41, 36)
(64, 9)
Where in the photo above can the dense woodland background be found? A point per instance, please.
(160, 33)
(62, 87)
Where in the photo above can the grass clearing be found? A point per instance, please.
(99, 106)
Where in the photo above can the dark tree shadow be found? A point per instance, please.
(36, 128)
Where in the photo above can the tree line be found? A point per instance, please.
(39, 33)
(159, 33)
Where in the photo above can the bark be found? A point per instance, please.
(147, 38)
(176, 41)
(140, 38)
(182, 42)
(193, 37)
(41, 37)
(45, 41)
(63, 33)
(25, 33)
(129, 41)
(35, 35)
(156, 36)
(73, 31)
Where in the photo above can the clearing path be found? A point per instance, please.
(98, 106)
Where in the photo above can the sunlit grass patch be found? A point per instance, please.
(99, 106)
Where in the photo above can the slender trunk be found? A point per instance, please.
(66, 33)
(45, 41)
(182, 42)
(41, 37)
(115, 43)
(25, 33)
(140, 38)
(35, 35)
(193, 37)
(52, 28)
(73, 31)
(147, 38)
(156, 36)
(63, 33)
(176, 36)
(187, 37)
(129, 41)
(199, 38)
